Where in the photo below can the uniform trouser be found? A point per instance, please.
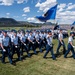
(70, 48)
(42, 43)
(6, 53)
(33, 47)
(49, 49)
(59, 45)
(39, 46)
(25, 49)
(17, 51)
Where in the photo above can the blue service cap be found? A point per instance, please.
(42, 31)
(37, 30)
(12, 30)
(49, 31)
(27, 30)
(30, 31)
(15, 31)
(4, 31)
(61, 29)
(71, 33)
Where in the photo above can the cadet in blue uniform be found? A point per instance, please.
(42, 42)
(32, 42)
(60, 42)
(26, 35)
(23, 44)
(70, 46)
(5, 47)
(15, 45)
(49, 46)
(38, 43)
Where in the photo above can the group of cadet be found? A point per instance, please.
(13, 41)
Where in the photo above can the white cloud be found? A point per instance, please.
(45, 5)
(16, 16)
(10, 2)
(65, 14)
(71, 6)
(20, 1)
(7, 15)
(24, 15)
(26, 9)
(62, 5)
(38, 4)
(6, 2)
(30, 19)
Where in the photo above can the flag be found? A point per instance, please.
(73, 23)
(50, 14)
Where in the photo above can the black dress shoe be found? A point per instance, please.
(44, 57)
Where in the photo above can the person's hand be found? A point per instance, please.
(73, 46)
(16, 46)
(44, 41)
(33, 42)
(62, 43)
(24, 44)
(4, 50)
(38, 42)
(51, 45)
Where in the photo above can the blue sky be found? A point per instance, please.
(25, 10)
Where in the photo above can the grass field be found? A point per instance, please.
(36, 65)
(18, 28)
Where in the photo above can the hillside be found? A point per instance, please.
(8, 21)
(13, 22)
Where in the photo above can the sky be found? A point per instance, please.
(26, 10)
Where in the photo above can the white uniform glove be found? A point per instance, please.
(38, 42)
(73, 46)
(4, 50)
(16, 47)
(24, 44)
(33, 42)
(51, 45)
(62, 43)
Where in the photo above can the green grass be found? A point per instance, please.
(18, 28)
(36, 65)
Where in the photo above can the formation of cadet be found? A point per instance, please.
(13, 41)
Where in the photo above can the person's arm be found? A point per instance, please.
(71, 43)
(2, 47)
(60, 39)
(30, 40)
(37, 41)
(22, 41)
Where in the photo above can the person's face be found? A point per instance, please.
(5, 34)
(72, 34)
(23, 34)
(50, 34)
(30, 33)
(61, 31)
(15, 34)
